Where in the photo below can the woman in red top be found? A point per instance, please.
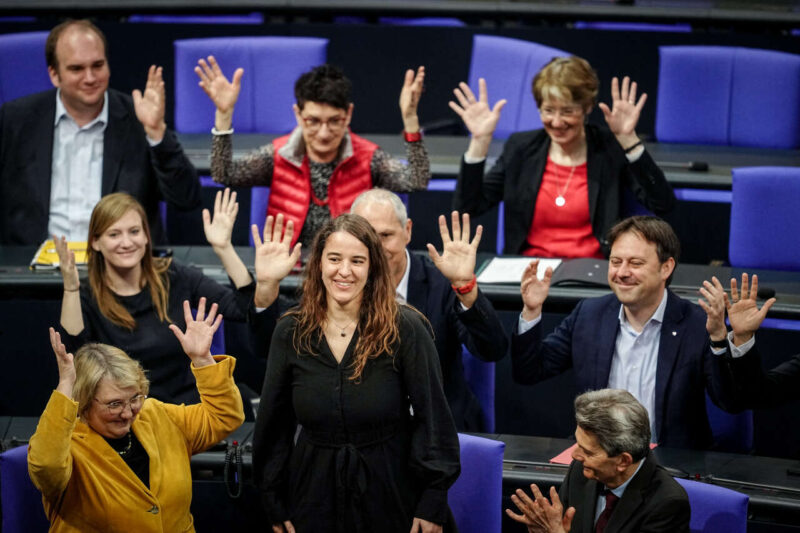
(562, 185)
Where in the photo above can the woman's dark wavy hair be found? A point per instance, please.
(378, 317)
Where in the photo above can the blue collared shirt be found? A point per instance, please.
(635, 361)
(76, 173)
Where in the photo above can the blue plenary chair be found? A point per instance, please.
(764, 204)
(732, 432)
(715, 509)
(508, 66)
(23, 69)
(271, 65)
(480, 378)
(21, 501)
(476, 498)
(728, 96)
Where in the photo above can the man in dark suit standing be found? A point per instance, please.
(614, 484)
(62, 150)
(643, 338)
(443, 289)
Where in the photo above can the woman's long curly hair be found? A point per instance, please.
(108, 210)
(378, 316)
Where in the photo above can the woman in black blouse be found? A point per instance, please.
(359, 373)
(131, 297)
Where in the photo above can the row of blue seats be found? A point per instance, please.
(706, 95)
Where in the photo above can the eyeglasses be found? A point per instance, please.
(565, 112)
(116, 407)
(335, 124)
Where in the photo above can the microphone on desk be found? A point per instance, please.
(765, 293)
(694, 166)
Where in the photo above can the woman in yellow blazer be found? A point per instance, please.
(109, 459)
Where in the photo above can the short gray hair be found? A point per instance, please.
(616, 419)
(382, 196)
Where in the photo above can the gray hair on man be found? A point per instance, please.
(382, 196)
(616, 419)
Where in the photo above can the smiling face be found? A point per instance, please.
(563, 121)
(596, 462)
(345, 270)
(82, 71)
(394, 236)
(102, 420)
(635, 273)
(323, 128)
(124, 243)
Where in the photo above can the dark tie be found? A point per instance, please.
(611, 502)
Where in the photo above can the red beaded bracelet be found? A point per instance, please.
(466, 289)
(412, 137)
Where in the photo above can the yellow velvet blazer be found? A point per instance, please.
(87, 487)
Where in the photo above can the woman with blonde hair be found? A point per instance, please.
(108, 458)
(563, 186)
(132, 297)
(377, 448)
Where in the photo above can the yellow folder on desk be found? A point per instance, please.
(46, 256)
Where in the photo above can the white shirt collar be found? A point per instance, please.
(402, 287)
(61, 111)
(658, 316)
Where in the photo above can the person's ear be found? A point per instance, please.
(349, 115)
(408, 231)
(55, 79)
(667, 267)
(624, 460)
(297, 116)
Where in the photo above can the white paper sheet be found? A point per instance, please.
(510, 269)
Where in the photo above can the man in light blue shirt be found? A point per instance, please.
(62, 150)
(642, 338)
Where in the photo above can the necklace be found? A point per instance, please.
(127, 448)
(560, 200)
(342, 330)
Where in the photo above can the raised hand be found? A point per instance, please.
(196, 341)
(66, 366)
(66, 261)
(457, 261)
(534, 290)
(410, 95)
(150, 105)
(479, 118)
(274, 258)
(218, 231)
(743, 312)
(222, 92)
(625, 110)
(714, 306)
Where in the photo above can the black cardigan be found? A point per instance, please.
(517, 175)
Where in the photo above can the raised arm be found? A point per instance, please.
(218, 234)
(410, 96)
(220, 409)
(479, 119)
(457, 261)
(49, 457)
(71, 313)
